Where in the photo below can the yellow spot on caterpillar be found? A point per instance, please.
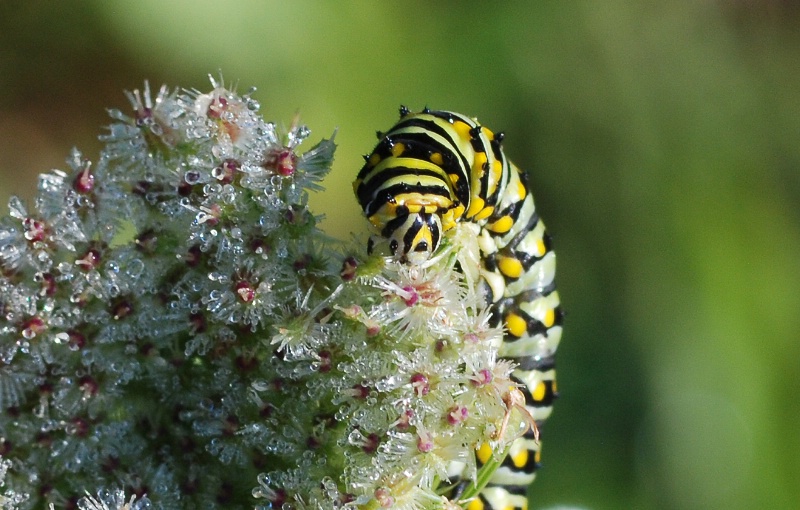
(484, 453)
(480, 161)
(453, 178)
(521, 458)
(462, 128)
(510, 267)
(415, 207)
(549, 318)
(502, 225)
(475, 504)
(522, 192)
(537, 456)
(516, 325)
(487, 132)
(485, 213)
(437, 159)
(475, 207)
(398, 149)
(540, 247)
(539, 392)
(374, 159)
(497, 170)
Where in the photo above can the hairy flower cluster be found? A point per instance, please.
(174, 327)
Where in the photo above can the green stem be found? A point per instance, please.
(484, 475)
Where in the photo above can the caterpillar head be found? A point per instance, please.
(414, 237)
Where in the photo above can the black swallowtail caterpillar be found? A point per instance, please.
(434, 169)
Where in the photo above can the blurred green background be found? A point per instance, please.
(663, 144)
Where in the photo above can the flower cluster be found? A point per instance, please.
(174, 325)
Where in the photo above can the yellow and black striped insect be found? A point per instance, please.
(429, 172)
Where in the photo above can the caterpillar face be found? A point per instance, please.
(414, 237)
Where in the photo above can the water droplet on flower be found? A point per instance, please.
(134, 268)
(192, 177)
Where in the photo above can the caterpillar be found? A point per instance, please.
(429, 172)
